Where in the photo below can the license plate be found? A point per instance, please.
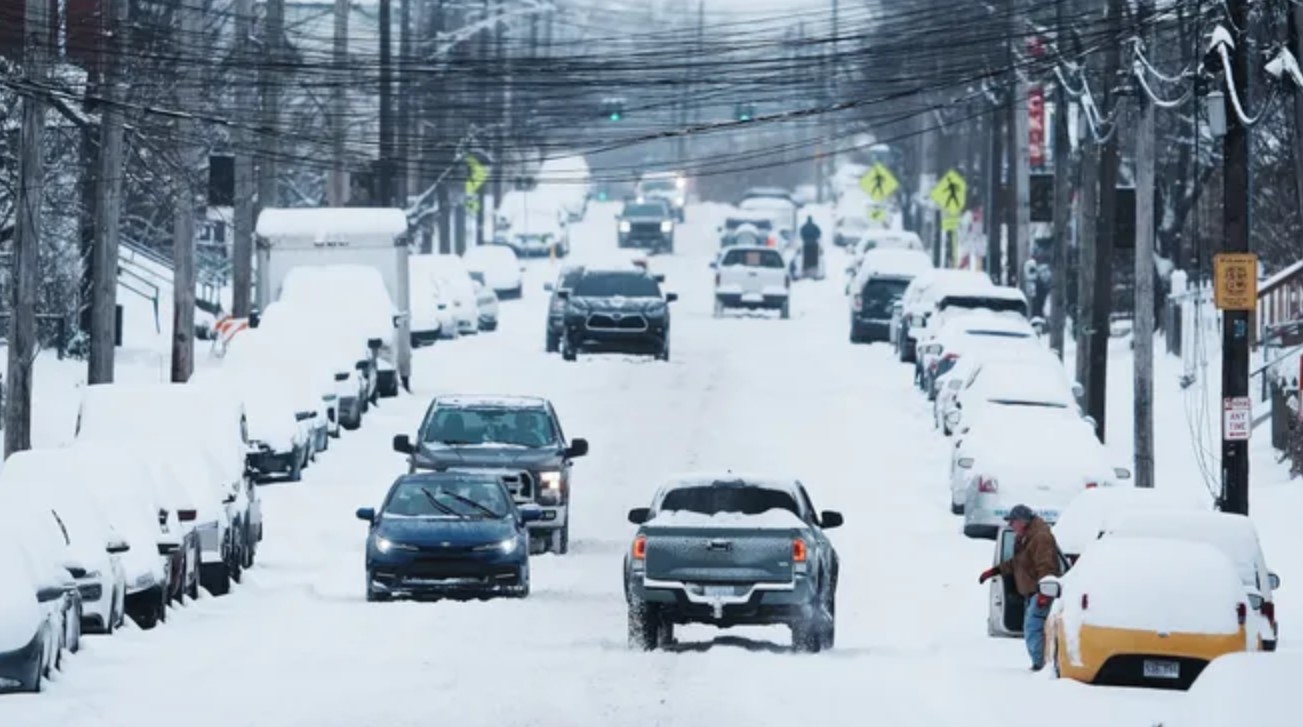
(716, 591)
(1155, 669)
(752, 297)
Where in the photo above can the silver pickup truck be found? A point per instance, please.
(731, 551)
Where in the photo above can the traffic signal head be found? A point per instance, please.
(745, 111)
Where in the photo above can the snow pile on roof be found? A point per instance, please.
(332, 223)
(1233, 535)
(1244, 688)
(772, 518)
(975, 289)
(1082, 521)
(894, 261)
(20, 617)
(1153, 584)
(1016, 381)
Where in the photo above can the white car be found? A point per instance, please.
(974, 329)
(330, 359)
(1031, 381)
(879, 239)
(1025, 455)
(500, 267)
(278, 440)
(428, 304)
(752, 277)
(31, 641)
(952, 381)
(850, 229)
(486, 306)
(918, 304)
(256, 356)
(1234, 535)
(1244, 688)
(456, 289)
(533, 224)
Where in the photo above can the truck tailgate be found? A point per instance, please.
(720, 555)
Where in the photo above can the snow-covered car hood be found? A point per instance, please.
(434, 455)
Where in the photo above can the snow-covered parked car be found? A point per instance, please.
(877, 287)
(486, 306)
(278, 442)
(879, 239)
(754, 278)
(429, 304)
(918, 304)
(456, 288)
(730, 550)
(1234, 536)
(338, 368)
(1082, 521)
(30, 492)
(31, 642)
(1241, 688)
(1037, 379)
(499, 266)
(981, 353)
(1144, 611)
(1037, 456)
(972, 330)
(533, 223)
(355, 303)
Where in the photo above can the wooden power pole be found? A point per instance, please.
(269, 82)
(27, 240)
(1143, 331)
(108, 194)
(337, 185)
(1062, 199)
(185, 202)
(246, 102)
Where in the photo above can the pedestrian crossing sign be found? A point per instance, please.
(478, 174)
(879, 214)
(879, 183)
(951, 193)
(950, 223)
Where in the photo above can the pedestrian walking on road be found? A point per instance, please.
(1035, 556)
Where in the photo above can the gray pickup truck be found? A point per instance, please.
(731, 551)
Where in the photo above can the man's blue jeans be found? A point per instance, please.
(1033, 629)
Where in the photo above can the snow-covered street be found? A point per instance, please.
(297, 644)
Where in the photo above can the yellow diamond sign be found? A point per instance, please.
(478, 175)
(951, 193)
(879, 183)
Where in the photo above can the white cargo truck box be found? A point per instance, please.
(311, 236)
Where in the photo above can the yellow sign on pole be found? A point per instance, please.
(951, 193)
(473, 203)
(879, 183)
(950, 223)
(1236, 277)
(878, 214)
(478, 175)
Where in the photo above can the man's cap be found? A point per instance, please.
(1020, 512)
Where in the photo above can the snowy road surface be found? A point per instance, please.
(297, 645)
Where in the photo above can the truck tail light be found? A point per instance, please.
(186, 516)
(1241, 613)
(162, 517)
(1269, 611)
(1085, 601)
(800, 551)
(1091, 485)
(987, 484)
(640, 547)
(857, 303)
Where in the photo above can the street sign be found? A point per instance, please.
(879, 183)
(478, 175)
(878, 214)
(473, 204)
(951, 193)
(1237, 418)
(950, 223)
(1236, 276)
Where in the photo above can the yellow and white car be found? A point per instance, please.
(1145, 611)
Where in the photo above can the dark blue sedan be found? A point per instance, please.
(447, 535)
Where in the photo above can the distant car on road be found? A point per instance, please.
(616, 311)
(752, 277)
(730, 550)
(499, 267)
(447, 535)
(518, 433)
(647, 224)
(556, 304)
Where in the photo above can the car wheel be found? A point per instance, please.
(830, 628)
(719, 308)
(216, 578)
(806, 636)
(553, 343)
(38, 676)
(561, 540)
(786, 311)
(644, 626)
(956, 508)
(664, 354)
(296, 468)
(568, 352)
(522, 581)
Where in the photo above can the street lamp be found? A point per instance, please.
(1214, 107)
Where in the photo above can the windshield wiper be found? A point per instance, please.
(440, 506)
(467, 501)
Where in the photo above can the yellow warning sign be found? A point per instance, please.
(950, 223)
(951, 193)
(879, 183)
(1236, 278)
(478, 175)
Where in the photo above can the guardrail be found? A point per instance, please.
(145, 288)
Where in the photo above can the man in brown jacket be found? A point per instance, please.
(1035, 555)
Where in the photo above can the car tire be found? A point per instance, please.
(560, 541)
(387, 384)
(553, 343)
(719, 308)
(215, 578)
(956, 508)
(296, 468)
(148, 615)
(664, 353)
(644, 626)
(568, 352)
(807, 637)
(522, 589)
(786, 311)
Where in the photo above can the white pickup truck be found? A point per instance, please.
(752, 277)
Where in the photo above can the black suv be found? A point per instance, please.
(620, 311)
(648, 225)
(872, 298)
(556, 305)
(516, 433)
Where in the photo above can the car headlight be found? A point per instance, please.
(385, 545)
(666, 226)
(625, 226)
(550, 480)
(508, 545)
(679, 201)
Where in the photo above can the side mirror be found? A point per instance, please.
(341, 376)
(374, 343)
(186, 516)
(563, 294)
(897, 307)
(303, 416)
(578, 448)
(1078, 390)
(671, 297)
(659, 277)
(965, 462)
(361, 366)
(1273, 581)
(1122, 473)
(1050, 587)
(714, 265)
(1038, 324)
(229, 499)
(639, 515)
(952, 420)
(531, 513)
(548, 287)
(117, 547)
(168, 548)
(829, 519)
(366, 513)
(403, 444)
(50, 593)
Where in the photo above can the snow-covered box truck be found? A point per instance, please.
(350, 264)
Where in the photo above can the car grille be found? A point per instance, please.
(616, 322)
(441, 569)
(520, 486)
(645, 228)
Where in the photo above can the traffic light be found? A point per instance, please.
(744, 111)
(613, 108)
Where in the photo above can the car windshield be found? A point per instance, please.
(459, 499)
(644, 210)
(884, 290)
(715, 499)
(491, 425)
(659, 185)
(569, 279)
(629, 285)
(755, 258)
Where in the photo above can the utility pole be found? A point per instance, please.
(1105, 233)
(1143, 336)
(994, 196)
(185, 203)
(27, 233)
(108, 195)
(1062, 198)
(1087, 211)
(1235, 210)
(245, 184)
(388, 188)
(404, 129)
(1021, 248)
(834, 132)
(337, 182)
(1296, 45)
(270, 82)
(500, 99)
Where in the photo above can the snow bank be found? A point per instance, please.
(894, 261)
(1082, 521)
(1242, 689)
(775, 518)
(1153, 584)
(19, 614)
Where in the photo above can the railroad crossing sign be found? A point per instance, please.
(951, 193)
(879, 183)
(1236, 276)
